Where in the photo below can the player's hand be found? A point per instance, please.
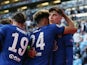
(32, 53)
(61, 11)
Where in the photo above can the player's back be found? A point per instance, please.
(43, 39)
(14, 42)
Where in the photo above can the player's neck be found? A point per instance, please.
(19, 25)
(40, 25)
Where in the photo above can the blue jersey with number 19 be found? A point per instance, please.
(14, 43)
(42, 40)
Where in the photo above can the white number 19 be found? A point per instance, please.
(23, 44)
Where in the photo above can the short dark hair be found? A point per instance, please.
(5, 21)
(58, 10)
(40, 14)
(19, 17)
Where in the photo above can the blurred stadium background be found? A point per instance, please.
(75, 9)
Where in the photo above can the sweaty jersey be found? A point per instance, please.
(42, 40)
(64, 54)
(14, 42)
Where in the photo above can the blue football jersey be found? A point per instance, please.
(1, 25)
(14, 43)
(68, 41)
(42, 40)
(64, 54)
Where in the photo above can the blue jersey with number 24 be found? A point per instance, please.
(42, 40)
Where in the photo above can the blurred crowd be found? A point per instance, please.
(80, 44)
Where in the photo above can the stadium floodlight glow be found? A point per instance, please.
(16, 0)
(57, 1)
(45, 4)
(24, 7)
(6, 2)
(6, 11)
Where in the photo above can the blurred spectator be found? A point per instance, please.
(84, 56)
(76, 49)
(77, 37)
(77, 60)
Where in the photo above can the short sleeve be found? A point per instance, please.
(58, 29)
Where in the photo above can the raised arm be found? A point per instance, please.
(68, 20)
(70, 29)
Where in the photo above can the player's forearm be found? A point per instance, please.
(69, 21)
(70, 30)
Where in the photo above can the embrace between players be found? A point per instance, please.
(48, 36)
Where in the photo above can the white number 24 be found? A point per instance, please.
(39, 43)
(23, 44)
